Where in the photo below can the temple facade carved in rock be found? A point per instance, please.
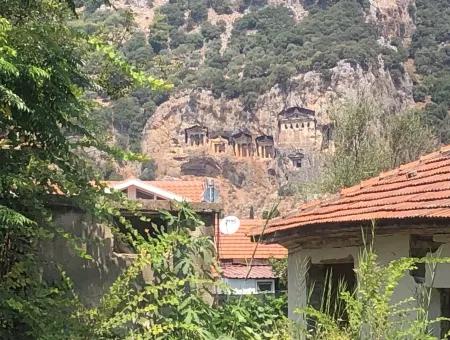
(297, 134)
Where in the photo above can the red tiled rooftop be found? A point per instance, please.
(240, 246)
(239, 271)
(192, 190)
(420, 189)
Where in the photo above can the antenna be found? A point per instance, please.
(229, 225)
(211, 193)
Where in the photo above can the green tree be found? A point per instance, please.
(368, 141)
(45, 125)
(359, 153)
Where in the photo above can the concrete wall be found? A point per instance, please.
(387, 248)
(92, 278)
(298, 263)
(438, 276)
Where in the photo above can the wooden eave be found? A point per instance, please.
(353, 233)
(149, 207)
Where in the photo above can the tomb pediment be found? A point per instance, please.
(242, 137)
(197, 129)
(296, 113)
(264, 139)
(196, 135)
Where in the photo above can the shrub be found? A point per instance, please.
(148, 170)
(367, 312)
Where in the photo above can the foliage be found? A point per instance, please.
(431, 52)
(267, 46)
(407, 136)
(367, 142)
(174, 304)
(114, 68)
(45, 132)
(369, 311)
(252, 317)
(280, 268)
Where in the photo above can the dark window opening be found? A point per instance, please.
(144, 196)
(445, 312)
(326, 282)
(264, 286)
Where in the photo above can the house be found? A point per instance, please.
(411, 208)
(110, 255)
(154, 196)
(235, 251)
(175, 190)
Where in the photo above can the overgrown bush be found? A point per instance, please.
(368, 141)
(367, 312)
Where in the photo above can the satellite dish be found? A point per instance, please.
(229, 225)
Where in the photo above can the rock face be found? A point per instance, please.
(394, 18)
(195, 134)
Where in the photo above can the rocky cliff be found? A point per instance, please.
(247, 182)
(253, 151)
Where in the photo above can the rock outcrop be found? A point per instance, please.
(253, 181)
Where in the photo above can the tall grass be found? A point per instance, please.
(369, 311)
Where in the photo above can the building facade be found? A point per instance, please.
(245, 266)
(410, 207)
(110, 255)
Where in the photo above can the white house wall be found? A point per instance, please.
(441, 272)
(387, 248)
(298, 261)
(242, 287)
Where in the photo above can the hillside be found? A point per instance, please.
(245, 70)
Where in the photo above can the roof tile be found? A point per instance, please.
(237, 271)
(192, 190)
(240, 246)
(417, 189)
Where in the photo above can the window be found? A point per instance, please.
(297, 163)
(264, 287)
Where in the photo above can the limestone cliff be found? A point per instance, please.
(283, 147)
(255, 181)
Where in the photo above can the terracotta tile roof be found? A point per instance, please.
(240, 246)
(192, 190)
(420, 189)
(239, 271)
